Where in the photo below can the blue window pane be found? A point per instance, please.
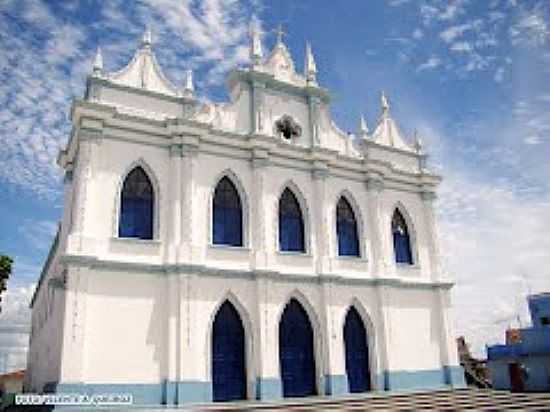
(346, 229)
(291, 223)
(136, 208)
(227, 216)
(401, 239)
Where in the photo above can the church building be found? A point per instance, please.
(246, 249)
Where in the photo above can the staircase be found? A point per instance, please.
(442, 400)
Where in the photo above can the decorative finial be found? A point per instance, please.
(98, 63)
(310, 69)
(363, 128)
(147, 37)
(384, 104)
(280, 34)
(418, 144)
(256, 52)
(189, 87)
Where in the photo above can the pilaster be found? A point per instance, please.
(89, 139)
(74, 325)
(375, 188)
(319, 225)
(314, 103)
(428, 199)
(383, 336)
(189, 252)
(256, 107)
(260, 163)
(175, 199)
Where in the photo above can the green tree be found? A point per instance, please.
(5, 272)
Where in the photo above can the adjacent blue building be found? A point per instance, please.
(525, 364)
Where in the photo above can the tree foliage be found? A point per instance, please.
(5, 272)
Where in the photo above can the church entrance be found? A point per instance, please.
(296, 353)
(357, 353)
(228, 355)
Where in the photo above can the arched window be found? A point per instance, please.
(291, 223)
(136, 206)
(346, 229)
(401, 239)
(228, 215)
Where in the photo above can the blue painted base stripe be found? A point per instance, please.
(269, 388)
(186, 392)
(165, 393)
(454, 376)
(336, 385)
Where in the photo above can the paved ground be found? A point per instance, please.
(444, 400)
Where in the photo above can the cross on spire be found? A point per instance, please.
(280, 33)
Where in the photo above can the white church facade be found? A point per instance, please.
(240, 250)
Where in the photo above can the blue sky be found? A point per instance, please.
(472, 76)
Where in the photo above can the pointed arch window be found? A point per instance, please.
(346, 229)
(401, 239)
(228, 215)
(136, 208)
(291, 223)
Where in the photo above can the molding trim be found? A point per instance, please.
(160, 269)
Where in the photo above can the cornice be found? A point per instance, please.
(268, 81)
(105, 82)
(166, 269)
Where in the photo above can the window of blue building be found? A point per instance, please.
(136, 208)
(291, 223)
(346, 229)
(401, 239)
(228, 215)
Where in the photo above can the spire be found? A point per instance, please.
(189, 88)
(363, 129)
(256, 52)
(98, 63)
(280, 34)
(147, 38)
(418, 144)
(310, 69)
(384, 104)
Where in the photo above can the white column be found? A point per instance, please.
(188, 250)
(268, 379)
(428, 199)
(74, 325)
(82, 183)
(447, 339)
(256, 107)
(375, 225)
(260, 162)
(175, 201)
(173, 335)
(318, 224)
(383, 335)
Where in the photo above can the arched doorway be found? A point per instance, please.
(296, 353)
(357, 353)
(228, 355)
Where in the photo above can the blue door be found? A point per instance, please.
(228, 357)
(296, 355)
(357, 353)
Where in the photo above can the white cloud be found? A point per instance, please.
(453, 32)
(417, 34)
(53, 57)
(532, 28)
(499, 75)
(461, 47)
(432, 63)
(15, 326)
(38, 233)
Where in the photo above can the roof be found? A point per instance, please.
(18, 374)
